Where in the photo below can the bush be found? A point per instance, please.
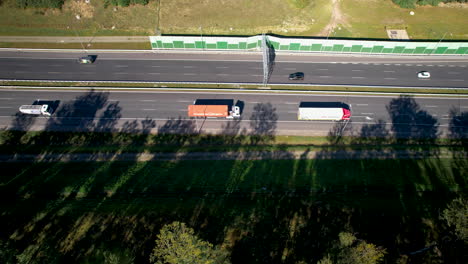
(125, 2)
(299, 3)
(40, 3)
(405, 3)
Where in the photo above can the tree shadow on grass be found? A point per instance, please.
(263, 123)
(400, 167)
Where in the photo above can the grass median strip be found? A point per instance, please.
(228, 87)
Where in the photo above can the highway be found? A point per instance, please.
(262, 113)
(236, 68)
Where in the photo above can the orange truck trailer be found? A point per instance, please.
(225, 111)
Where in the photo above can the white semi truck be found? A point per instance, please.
(335, 111)
(36, 109)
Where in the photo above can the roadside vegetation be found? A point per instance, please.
(388, 203)
(306, 18)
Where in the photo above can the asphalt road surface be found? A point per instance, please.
(261, 113)
(236, 68)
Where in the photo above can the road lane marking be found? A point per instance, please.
(223, 67)
(290, 69)
(54, 72)
(430, 65)
(324, 76)
(154, 66)
(357, 77)
(147, 100)
(184, 101)
(457, 80)
(255, 68)
(154, 73)
(432, 106)
(149, 109)
(390, 78)
(362, 104)
(357, 70)
(120, 72)
(121, 66)
(189, 74)
(188, 67)
(387, 64)
(222, 74)
(367, 113)
(322, 69)
(5, 98)
(291, 103)
(256, 75)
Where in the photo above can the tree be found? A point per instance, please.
(350, 250)
(177, 243)
(456, 215)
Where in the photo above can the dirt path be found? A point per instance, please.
(336, 19)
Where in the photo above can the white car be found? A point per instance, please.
(424, 75)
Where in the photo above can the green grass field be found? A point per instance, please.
(357, 19)
(259, 209)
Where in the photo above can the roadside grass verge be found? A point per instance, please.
(370, 18)
(94, 45)
(95, 20)
(19, 142)
(240, 87)
(358, 19)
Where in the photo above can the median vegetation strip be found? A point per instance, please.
(147, 86)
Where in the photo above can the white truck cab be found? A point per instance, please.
(36, 110)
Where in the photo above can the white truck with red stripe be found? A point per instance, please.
(335, 111)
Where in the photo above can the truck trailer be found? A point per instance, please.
(36, 109)
(225, 111)
(335, 111)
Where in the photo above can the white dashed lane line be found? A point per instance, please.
(431, 106)
(457, 80)
(356, 70)
(390, 78)
(121, 66)
(188, 67)
(290, 69)
(358, 77)
(222, 67)
(189, 74)
(147, 100)
(324, 76)
(149, 109)
(362, 104)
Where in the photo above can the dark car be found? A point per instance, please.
(296, 76)
(86, 59)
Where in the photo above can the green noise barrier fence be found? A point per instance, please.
(309, 45)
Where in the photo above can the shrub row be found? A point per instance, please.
(413, 3)
(40, 3)
(125, 2)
